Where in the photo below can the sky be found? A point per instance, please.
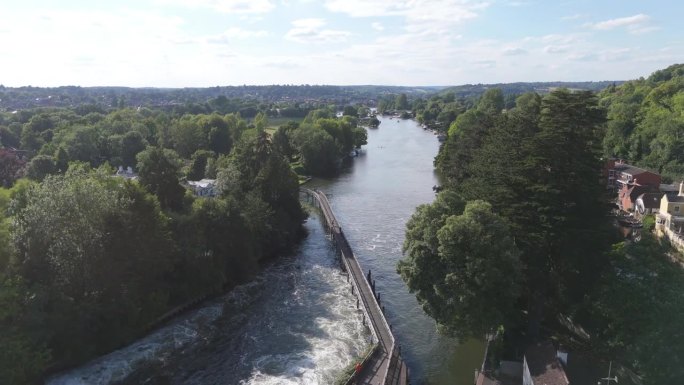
(206, 43)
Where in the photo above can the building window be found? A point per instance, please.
(676, 209)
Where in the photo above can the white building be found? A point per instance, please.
(204, 187)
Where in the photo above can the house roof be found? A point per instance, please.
(203, 183)
(545, 368)
(669, 188)
(629, 169)
(651, 200)
(675, 198)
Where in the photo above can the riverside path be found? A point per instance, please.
(383, 365)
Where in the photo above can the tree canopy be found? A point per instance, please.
(464, 268)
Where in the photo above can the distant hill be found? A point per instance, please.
(468, 90)
(71, 96)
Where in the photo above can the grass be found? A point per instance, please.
(343, 377)
(274, 123)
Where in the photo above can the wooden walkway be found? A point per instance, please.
(384, 365)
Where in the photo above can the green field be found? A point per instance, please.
(274, 123)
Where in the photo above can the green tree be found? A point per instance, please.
(401, 102)
(350, 111)
(96, 248)
(23, 357)
(219, 135)
(492, 101)
(198, 164)
(131, 144)
(41, 166)
(282, 142)
(465, 137)
(187, 136)
(635, 314)
(81, 143)
(319, 151)
(464, 269)
(10, 167)
(159, 171)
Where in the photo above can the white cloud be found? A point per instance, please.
(576, 16)
(312, 31)
(637, 30)
(555, 49)
(310, 23)
(226, 6)
(235, 33)
(519, 3)
(95, 47)
(514, 51)
(422, 16)
(377, 26)
(621, 22)
(636, 24)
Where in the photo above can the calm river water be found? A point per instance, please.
(297, 322)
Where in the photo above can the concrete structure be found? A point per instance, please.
(384, 365)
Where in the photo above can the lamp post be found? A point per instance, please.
(609, 378)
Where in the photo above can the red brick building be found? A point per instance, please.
(618, 173)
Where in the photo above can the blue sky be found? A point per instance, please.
(201, 43)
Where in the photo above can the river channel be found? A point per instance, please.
(297, 322)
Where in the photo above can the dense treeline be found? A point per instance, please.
(437, 111)
(520, 236)
(72, 96)
(321, 141)
(476, 90)
(537, 166)
(646, 121)
(88, 261)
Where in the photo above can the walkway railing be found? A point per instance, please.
(392, 368)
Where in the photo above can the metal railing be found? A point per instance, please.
(348, 258)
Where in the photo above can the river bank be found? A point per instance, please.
(298, 323)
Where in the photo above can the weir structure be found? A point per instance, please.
(383, 364)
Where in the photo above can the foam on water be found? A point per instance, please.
(297, 323)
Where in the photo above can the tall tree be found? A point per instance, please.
(401, 102)
(159, 170)
(11, 167)
(467, 274)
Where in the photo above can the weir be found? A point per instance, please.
(383, 365)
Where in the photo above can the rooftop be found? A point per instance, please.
(675, 198)
(203, 183)
(629, 169)
(545, 368)
(651, 200)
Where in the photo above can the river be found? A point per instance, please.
(297, 322)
